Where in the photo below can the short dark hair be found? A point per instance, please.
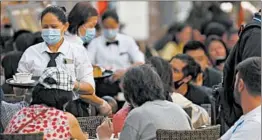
(112, 14)
(192, 68)
(79, 15)
(24, 41)
(195, 45)
(164, 70)
(51, 97)
(142, 84)
(250, 71)
(59, 12)
(215, 28)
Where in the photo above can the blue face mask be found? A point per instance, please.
(90, 34)
(51, 36)
(110, 33)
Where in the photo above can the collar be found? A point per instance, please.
(64, 48)
(74, 37)
(253, 112)
(116, 39)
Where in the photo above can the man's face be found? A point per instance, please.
(200, 57)
(177, 66)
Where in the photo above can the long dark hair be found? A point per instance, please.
(51, 97)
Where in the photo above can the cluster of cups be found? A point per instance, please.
(22, 77)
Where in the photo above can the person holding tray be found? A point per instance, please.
(56, 51)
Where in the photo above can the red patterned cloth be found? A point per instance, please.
(53, 122)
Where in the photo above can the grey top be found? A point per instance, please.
(142, 122)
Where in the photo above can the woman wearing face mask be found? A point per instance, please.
(56, 51)
(114, 51)
(82, 21)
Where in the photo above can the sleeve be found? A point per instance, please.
(84, 69)
(249, 130)
(168, 51)
(252, 44)
(134, 52)
(24, 64)
(91, 51)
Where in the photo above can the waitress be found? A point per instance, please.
(56, 51)
(82, 21)
(114, 51)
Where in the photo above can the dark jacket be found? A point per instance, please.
(198, 95)
(212, 77)
(248, 45)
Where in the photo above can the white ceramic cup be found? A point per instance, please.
(22, 77)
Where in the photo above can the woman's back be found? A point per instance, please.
(54, 123)
(142, 122)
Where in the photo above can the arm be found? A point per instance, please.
(84, 73)
(103, 107)
(135, 54)
(75, 130)
(251, 44)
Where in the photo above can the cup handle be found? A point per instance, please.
(14, 77)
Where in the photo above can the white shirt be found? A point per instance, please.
(200, 116)
(73, 39)
(114, 57)
(35, 60)
(248, 127)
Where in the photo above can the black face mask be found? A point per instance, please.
(178, 84)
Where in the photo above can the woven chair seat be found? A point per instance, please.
(208, 133)
(13, 98)
(89, 124)
(33, 136)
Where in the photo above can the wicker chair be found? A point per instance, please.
(12, 98)
(208, 133)
(89, 124)
(33, 136)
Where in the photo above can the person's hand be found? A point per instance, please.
(105, 109)
(118, 74)
(105, 130)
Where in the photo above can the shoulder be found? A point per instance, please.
(35, 47)
(125, 37)
(214, 71)
(97, 39)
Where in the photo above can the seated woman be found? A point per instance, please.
(217, 51)
(144, 90)
(45, 112)
(199, 115)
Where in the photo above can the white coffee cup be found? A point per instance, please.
(22, 77)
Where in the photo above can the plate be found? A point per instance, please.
(29, 82)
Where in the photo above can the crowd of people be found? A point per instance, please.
(209, 65)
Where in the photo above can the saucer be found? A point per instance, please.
(26, 82)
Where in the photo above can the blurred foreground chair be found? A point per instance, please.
(89, 124)
(208, 133)
(12, 98)
(33, 136)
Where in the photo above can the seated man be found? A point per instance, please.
(183, 73)
(247, 94)
(197, 50)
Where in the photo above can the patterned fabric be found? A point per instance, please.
(8, 110)
(62, 79)
(54, 123)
